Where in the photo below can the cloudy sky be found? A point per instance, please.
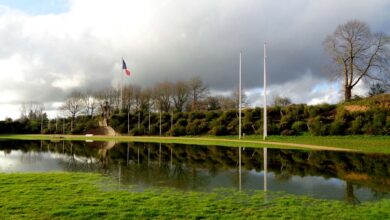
(50, 47)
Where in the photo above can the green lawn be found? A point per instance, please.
(370, 144)
(91, 196)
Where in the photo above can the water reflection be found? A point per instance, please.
(265, 167)
(352, 177)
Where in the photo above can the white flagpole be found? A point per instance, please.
(265, 93)
(239, 102)
(121, 92)
(265, 164)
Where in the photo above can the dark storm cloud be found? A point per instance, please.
(172, 40)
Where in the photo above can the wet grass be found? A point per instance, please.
(369, 144)
(91, 196)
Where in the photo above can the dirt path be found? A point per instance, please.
(200, 139)
(307, 146)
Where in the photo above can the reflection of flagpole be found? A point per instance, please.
(159, 156)
(239, 169)
(265, 152)
(138, 155)
(239, 103)
(128, 152)
(265, 94)
(171, 157)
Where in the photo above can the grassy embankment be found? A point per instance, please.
(88, 196)
(369, 144)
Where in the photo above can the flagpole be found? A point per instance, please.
(121, 92)
(239, 102)
(265, 93)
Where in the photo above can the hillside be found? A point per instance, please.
(381, 101)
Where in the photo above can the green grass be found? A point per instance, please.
(364, 143)
(91, 196)
(369, 144)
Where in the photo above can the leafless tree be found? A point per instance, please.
(281, 101)
(162, 94)
(32, 110)
(145, 100)
(110, 95)
(198, 91)
(73, 106)
(213, 103)
(131, 94)
(235, 99)
(358, 54)
(90, 103)
(180, 95)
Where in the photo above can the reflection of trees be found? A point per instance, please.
(187, 166)
(349, 195)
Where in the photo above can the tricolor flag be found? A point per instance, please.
(124, 68)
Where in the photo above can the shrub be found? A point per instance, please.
(196, 127)
(286, 121)
(182, 122)
(299, 126)
(219, 130)
(287, 132)
(317, 126)
(178, 130)
(137, 131)
(272, 129)
(356, 125)
(211, 115)
(336, 128)
(196, 115)
(379, 122)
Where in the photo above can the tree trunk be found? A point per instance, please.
(347, 93)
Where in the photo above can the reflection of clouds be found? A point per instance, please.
(320, 187)
(19, 161)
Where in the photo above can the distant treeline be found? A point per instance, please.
(283, 120)
(187, 108)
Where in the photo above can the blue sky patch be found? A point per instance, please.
(38, 7)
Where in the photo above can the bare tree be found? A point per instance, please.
(131, 94)
(180, 95)
(110, 95)
(235, 99)
(198, 91)
(376, 89)
(73, 106)
(31, 110)
(90, 103)
(358, 54)
(163, 95)
(145, 100)
(281, 101)
(213, 103)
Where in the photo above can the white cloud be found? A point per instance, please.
(171, 40)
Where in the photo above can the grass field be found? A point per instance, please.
(91, 196)
(370, 144)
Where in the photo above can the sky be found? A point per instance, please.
(51, 47)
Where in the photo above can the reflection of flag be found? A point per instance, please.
(124, 67)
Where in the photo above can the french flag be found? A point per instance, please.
(124, 68)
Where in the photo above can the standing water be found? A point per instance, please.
(353, 177)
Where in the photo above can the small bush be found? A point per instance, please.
(219, 130)
(178, 130)
(137, 131)
(287, 132)
(299, 126)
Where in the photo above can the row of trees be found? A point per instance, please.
(180, 96)
(283, 120)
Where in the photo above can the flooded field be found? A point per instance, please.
(352, 177)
